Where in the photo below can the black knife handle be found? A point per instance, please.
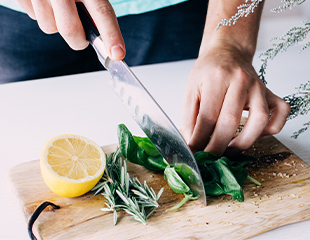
(89, 26)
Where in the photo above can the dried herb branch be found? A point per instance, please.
(125, 193)
(299, 102)
(300, 105)
(305, 128)
(243, 11)
(287, 4)
(292, 37)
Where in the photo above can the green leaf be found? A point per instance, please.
(213, 189)
(175, 181)
(159, 193)
(151, 212)
(228, 181)
(157, 162)
(114, 217)
(146, 144)
(205, 157)
(134, 153)
(128, 146)
(240, 174)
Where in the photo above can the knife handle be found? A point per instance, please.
(88, 23)
(92, 34)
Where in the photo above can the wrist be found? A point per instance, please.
(220, 44)
(242, 36)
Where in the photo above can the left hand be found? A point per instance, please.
(222, 84)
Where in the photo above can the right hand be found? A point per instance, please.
(62, 16)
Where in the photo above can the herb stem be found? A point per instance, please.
(180, 204)
(254, 180)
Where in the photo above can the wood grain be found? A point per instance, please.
(284, 198)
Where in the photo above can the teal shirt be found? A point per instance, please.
(121, 7)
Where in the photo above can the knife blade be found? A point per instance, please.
(145, 110)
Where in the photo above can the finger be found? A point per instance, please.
(191, 103)
(27, 6)
(68, 23)
(257, 120)
(212, 95)
(279, 111)
(45, 16)
(229, 119)
(104, 16)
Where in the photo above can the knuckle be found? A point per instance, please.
(209, 118)
(68, 30)
(274, 129)
(264, 118)
(286, 108)
(242, 77)
(105, 8)
(230, 120)
(113, 35)
(220, 72)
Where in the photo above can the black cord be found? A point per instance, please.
(35, 215)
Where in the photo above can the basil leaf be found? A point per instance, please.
(146, 144)
(213, 189)
(175, 181)
(205, 157)
(128, 146)
(240, 174)
(227, 179)
(157, 162)
(134, 153)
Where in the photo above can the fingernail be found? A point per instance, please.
(117, 52)
(231, 151)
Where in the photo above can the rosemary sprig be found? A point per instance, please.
(125, 193)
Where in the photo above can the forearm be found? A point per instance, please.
(242, 35)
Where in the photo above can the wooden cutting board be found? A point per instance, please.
(284, 198)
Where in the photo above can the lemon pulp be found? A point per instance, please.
(71, 165)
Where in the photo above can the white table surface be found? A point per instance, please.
(33, 111)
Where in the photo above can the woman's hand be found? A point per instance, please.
(62, 16)
(222, 84)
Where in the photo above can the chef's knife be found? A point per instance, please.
(146, 112)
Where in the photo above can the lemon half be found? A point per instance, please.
(71, 165)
